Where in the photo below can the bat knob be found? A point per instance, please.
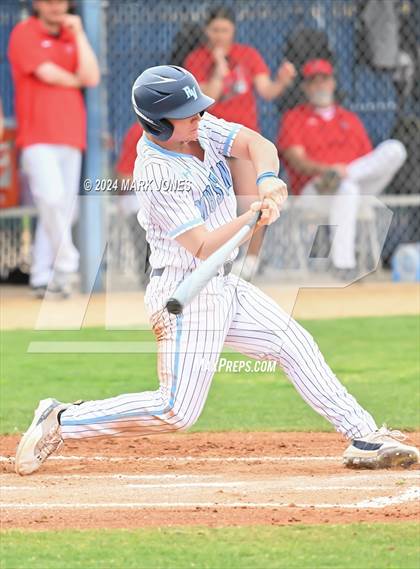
(174, 306)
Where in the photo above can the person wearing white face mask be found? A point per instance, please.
(327, 151)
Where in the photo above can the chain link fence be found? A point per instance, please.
(373, 46)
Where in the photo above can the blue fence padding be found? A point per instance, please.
(9, 17)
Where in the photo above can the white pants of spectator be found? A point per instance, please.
(53, 174)
(368, 175)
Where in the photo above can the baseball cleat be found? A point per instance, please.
(41, 439)
(381, 449)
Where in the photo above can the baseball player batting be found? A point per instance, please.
(187, 206)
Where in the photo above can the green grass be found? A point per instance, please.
(365, 546)
(376, 358)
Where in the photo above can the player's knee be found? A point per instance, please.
(184, 425)
(295, 340)
(399, 152)
(179, 421)
(396, 152)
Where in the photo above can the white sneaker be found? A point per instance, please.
(60, 286)
(381, 449)
(41, 439)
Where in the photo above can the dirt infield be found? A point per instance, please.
(211, 479)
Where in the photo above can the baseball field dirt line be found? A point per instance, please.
(409, 495)
(208, 491)
(391, 476)
(247, 459)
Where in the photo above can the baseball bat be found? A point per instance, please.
(198, 279)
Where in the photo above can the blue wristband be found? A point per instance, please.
(265, 175)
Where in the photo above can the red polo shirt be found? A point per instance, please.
(128, 153)
(45, 113)
(237, 103)
(337, 141)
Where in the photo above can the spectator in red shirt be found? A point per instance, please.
(327, 151)
(231, 73)
(51, 62)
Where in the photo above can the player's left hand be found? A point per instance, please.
(273, 188)
(73, 23)
(270, 211)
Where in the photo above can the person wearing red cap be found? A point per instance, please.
(51, 61)
(328, 151)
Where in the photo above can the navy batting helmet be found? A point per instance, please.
(166, 92)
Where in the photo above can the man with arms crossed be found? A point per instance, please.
(51, 62)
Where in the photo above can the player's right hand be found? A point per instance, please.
(221, 63)
(72, 22)
(270, 211)
(273, 188)
(286, 73)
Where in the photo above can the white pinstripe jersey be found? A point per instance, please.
(177, 192)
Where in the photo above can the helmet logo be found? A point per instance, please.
(190, 92)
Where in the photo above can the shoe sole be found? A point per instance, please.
(391, 459)
(57, 295)
(33, 433)
(40, 294)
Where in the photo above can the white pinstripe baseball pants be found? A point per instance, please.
(228, 311)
